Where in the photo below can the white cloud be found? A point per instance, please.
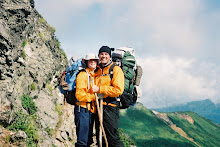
(180, 28)
(167, 81)
(173, 27)
(62, 14)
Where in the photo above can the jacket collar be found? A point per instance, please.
(100, 65)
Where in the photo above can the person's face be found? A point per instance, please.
(104, 58)
(92, 64)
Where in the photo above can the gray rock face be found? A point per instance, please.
(30, 62)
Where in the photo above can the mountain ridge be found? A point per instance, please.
(205, 108)
(152, 128)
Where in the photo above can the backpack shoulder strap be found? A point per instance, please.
(111, 70)
(83, 69)
(88, 79)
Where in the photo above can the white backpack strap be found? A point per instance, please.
(88, 74)
(88, 79)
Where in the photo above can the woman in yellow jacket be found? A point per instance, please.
(85, 107)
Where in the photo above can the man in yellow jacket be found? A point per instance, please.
(111, 87)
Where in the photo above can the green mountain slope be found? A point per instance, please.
(150, 128)
(204, 132)
(204, 108)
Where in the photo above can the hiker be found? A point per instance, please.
(110, 88)
(85, 107)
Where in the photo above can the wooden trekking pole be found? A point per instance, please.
(100, 121)
(101, 116)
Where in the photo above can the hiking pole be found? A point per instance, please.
(100, 120)
(101, 116)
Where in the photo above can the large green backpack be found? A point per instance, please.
(127, 63)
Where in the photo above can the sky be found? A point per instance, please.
(176, 42)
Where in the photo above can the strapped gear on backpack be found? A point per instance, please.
(124, 57)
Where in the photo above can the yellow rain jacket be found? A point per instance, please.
(84, 95)
(110, 88)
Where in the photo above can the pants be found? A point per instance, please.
(111, 125)
(84, 121)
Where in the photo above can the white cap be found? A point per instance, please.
(90, 56)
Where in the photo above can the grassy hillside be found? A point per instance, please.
(204, 108)
(146, 129)
(204, 132)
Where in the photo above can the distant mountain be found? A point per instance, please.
(205, 108)
(183, 129)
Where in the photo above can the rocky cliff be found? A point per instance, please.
(31, 106)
